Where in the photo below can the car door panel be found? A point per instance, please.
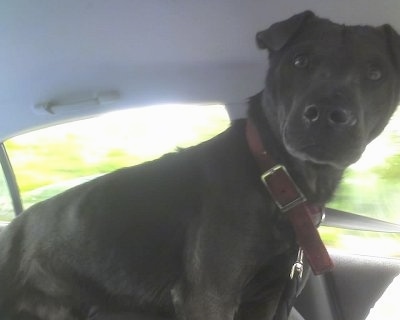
(349, 292)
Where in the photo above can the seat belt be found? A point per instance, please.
(346, 220)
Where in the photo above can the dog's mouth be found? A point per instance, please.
(337, 153)
(315, 154)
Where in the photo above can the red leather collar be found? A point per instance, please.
(288, 197)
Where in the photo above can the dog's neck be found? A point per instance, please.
(304, 217)
(318, 182)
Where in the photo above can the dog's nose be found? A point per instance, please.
(336, 116)
(311, 113)
(341, 117)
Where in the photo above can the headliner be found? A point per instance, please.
(149, 52)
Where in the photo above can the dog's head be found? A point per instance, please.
(330, 88)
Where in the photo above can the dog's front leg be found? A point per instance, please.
(262, 309)
(218, 264)
(202, 304)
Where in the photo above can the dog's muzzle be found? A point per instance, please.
(325, 130)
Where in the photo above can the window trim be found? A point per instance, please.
(11, 180)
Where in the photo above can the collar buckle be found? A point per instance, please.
(284, 191)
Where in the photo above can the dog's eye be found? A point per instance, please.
(300, 61)
(374, 73)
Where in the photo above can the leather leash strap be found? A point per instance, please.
(303, 216)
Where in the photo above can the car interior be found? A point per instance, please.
(64, 61)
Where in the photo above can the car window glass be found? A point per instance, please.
(6, 205)
(371, 187)
(51, 160)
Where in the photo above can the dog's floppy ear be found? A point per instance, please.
(277, 35)
(393, 43)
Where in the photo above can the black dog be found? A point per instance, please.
(195, 233)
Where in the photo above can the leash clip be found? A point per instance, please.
(298, 266)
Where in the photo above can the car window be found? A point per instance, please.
(51, 160)
(6, 204)
(371, 187)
